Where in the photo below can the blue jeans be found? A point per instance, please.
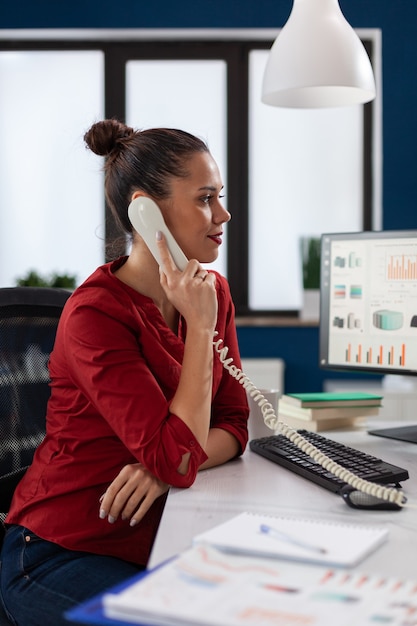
(39, 580)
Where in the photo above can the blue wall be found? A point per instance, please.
(397, 20)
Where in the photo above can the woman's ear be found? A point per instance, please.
(137, 194)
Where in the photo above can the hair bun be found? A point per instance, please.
(105, 136)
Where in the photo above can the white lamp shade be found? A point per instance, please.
(317, 60)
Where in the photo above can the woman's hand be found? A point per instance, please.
(131, 494)
(192, 292)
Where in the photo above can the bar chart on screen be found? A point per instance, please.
(378, 355)
(401, 267)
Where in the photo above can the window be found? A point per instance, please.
(196, 94)
(306, 173)
(287, 173)
(51, 197)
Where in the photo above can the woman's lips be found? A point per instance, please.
(216, 238)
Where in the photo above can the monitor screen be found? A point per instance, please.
(368, 302)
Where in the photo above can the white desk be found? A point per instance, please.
(253, 483)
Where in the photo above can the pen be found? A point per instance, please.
(277, 534)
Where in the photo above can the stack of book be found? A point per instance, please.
(326, 411)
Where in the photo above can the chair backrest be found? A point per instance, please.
(28, 321)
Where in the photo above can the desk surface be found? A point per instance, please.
(253, 483)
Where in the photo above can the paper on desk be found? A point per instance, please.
(311, 541)
(207, 587)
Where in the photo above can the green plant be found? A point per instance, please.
(64, 281)
(311, 262)
(34, 279)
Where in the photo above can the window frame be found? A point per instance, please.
(233, 46)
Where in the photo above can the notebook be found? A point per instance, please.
(313, 541)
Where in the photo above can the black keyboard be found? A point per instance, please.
(280, 450)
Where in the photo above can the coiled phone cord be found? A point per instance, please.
(389, 494)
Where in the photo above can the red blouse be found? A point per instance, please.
(114, 369)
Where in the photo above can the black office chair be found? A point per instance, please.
(28, 320)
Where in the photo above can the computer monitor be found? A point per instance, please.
(368, 307)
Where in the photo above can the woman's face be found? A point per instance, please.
(194, 213)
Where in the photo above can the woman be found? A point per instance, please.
(138, 399)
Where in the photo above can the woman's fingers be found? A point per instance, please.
(167, 262)
(131, 493)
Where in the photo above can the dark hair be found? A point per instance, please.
(144, 160)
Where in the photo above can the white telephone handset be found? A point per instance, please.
(147, 219)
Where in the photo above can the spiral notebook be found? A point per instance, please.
(307, 540)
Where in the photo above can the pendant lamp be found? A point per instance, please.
(317, 60)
